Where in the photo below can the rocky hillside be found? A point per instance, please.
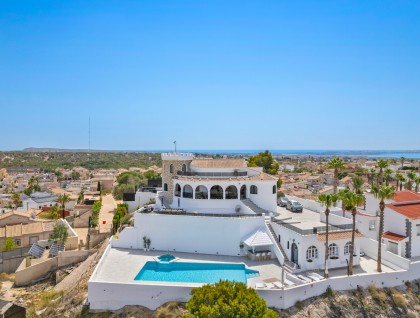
(372, 302)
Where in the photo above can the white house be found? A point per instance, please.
(402, 224)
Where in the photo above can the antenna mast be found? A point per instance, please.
(89, 134)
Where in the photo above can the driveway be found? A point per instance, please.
(107, 213)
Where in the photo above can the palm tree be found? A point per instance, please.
(382, 193)
(352, 201)
(81, 195)
(16, 200)
(33, 184)
(387, 175)
(342, 194)
(402, 163)
(357, 183)
(382, 164)
(402, 179)
(337, 164)
(417, 181)
(398, 177)
(63, 199)
(328, 200)
(372, 175)
(411, 176)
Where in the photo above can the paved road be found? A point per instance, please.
(107, 213)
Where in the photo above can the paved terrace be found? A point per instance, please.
(122, 266)
(306, 220)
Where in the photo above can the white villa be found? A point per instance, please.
(207, 206)
(221, 211)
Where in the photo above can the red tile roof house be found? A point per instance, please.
(402, 224)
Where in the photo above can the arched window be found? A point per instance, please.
(333, 250)
(231, 192)
(253, 189)
(171, 168)
(165, 187)
(274, 189)
(311, 252)
(184, 168)
(177, 190)
(216, 192)
(187, 192)
(347, 248)
(243, 192)
(201, 192)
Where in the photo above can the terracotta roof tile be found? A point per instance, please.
(332, 236)
(393, 236)
(411, 211)
(219, 163)
(402, 196)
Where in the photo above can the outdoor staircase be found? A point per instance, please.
(288, 265)
(254, 207)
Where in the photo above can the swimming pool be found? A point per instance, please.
(194, 272)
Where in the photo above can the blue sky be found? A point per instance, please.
(210, 74)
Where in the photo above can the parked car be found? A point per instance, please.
(282, 201)
(294, 206)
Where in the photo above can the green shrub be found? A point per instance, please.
(96, 209)
(8, 245)
(228, 300)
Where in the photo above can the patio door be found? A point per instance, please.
(294, 257)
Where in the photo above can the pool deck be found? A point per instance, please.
(122, 266)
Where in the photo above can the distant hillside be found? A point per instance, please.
(50, 160)
(35, 149)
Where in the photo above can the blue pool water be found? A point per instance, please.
(194, 272)
(166, 258)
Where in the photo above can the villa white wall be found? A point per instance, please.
(415, 239)
(394, 222)
(363, 225)
(335, 219)
(370, 247)
(210, 206)
(113, 296)
(191, 234)
(141, 199)
(265, 198)
(303, 242)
